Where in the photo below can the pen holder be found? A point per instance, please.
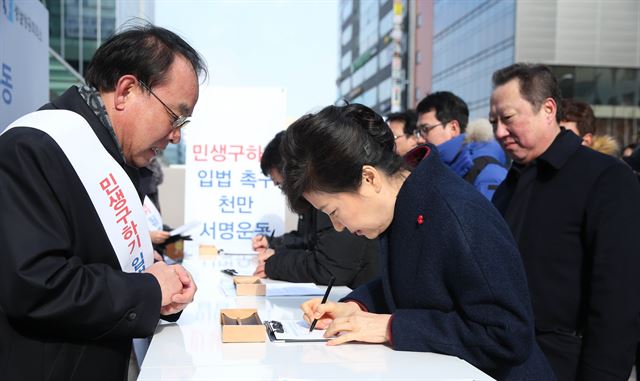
(249, 286)
(241, 326)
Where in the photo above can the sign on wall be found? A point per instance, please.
(224, 187)
(24, 58)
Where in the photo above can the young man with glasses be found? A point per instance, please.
(78, 280)
(472, 153)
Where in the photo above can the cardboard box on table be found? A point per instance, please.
(249, 286)
(242, 325)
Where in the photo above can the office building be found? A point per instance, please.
(77, 28)
(593, 48)
(366, 46)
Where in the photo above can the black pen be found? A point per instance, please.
(324, 300)
(270, 239)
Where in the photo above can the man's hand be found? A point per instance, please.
(158, 236)
(167, 277)
(181, 299)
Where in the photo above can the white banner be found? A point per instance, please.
(224, 186)
(24, 58)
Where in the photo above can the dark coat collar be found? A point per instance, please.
(563, 147)
(565, 144)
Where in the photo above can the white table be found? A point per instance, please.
(191, 349)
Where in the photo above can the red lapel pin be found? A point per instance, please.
(420, 219)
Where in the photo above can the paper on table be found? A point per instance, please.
(292, 289)
(294, 330)
(184, 228)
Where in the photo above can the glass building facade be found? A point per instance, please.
(600, 85)
(366, 48)
(76, 29)
(471, 39)
(613, 93)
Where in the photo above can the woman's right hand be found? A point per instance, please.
(325, 313)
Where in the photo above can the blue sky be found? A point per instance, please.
(290, 44)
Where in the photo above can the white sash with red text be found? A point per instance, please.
(111, 191)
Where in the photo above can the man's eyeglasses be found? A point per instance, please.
(178, 120)
(422, 130)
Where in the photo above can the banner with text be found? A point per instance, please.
(224, 187)
(24, 58)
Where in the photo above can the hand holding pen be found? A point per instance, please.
(270, 239)
(262, 241)
(264, 253)
(324, 300)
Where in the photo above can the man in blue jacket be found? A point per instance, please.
(471, 152)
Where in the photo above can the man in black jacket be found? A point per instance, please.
(315, 251)
(573, 213)
(77, 280)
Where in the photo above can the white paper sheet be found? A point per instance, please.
(184, 228)
(293, 289)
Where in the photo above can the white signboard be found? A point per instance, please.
(224, 187)
(24, 58)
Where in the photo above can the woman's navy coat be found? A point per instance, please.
(452, 278)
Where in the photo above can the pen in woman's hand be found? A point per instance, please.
(324, 300)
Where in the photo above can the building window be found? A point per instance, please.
(345, 86)
(347, 9)
(419, 21)
(346, 34)
(368, 25)
(418, 57)
(370, 68)
(345, 62)
(384, 90)
(370, 97)
(384, 58)
(357, 77)
(386, 24)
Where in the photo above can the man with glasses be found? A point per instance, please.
(403, 126)
(472, 153)
(78, 280)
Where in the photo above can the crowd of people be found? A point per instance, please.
(507, 242)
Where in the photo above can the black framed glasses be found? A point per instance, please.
(178, 120)
(422, 130)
